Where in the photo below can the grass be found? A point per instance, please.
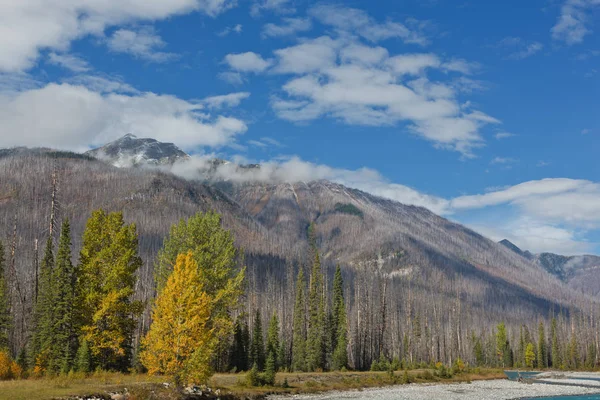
(330, 381)
(231, 385)
(65, 386)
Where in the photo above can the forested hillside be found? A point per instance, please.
(417, 286)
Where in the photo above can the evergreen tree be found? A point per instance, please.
(257, 348)
(64, 327)
(5, 318)
(340, 352)
(273, 339)
(109, 261)
(179, 342)
(239, 351)
(316, 318)
(521, 350)
(479, 352)
(555, 345)
(573, 352)
(299, 329)
(529, 355)
(542, 353)
(83, 362)
(270, 370)
(41, 337)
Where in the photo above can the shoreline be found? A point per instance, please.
(501, 389)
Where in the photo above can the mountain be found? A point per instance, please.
(516, 249)
(422, 264)
(580, 272)
(131, 151)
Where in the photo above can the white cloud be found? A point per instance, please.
(28, 27)
(69, 61)
(364, 85)
(227, 100)
(528, 51)
(143, 43)
(234, 78)
(572, 24)
(231, 29)
(503, 135)
(293, 169)
(537, 237)
(247, 62)
(503, 160)
(277, 6)
(520, 48)
(360, 23)
(74, 117)
(290, 26)
(311, 56)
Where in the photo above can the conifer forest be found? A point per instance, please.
(86, 288)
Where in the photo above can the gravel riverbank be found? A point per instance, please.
(478, 390)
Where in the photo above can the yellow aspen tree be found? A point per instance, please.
(180, 342)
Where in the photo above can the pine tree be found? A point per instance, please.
(479, 352)
(315, 335)
(83, 362)
(340, 353)
(5, 319)
(239, 351)
(555, 345)
(179, 342)
(270, 370)
(529, 355)
(299, 329)
(64, 329)
(108, 264)
(273, 339)
(573, 352)
(542, 353)
(257, 348)
(41, 337)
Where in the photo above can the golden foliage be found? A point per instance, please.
(180, 342)
(8, 367)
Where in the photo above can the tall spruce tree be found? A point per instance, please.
(273, 340)
(239, 351)
(39, 348)
(299, 328)
(5, 318)
(316, 318)
(64, 330)
(340, 339)
(257, 348)
(109, 261)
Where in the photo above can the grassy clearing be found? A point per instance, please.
(64, 386)
(149, 387)
(328, 381)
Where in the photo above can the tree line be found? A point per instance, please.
(86, 316)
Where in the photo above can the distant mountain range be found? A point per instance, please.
(422, 254)
(581, 272)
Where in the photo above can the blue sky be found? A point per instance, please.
(484, 112)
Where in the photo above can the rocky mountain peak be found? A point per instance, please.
(130, 150)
